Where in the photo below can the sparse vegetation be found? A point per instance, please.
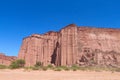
(17, 64)
(74, 67)
(35, 68)
(57, 69)
(65, 68)
(38, 64)
(50, 66)
(27, 68)
(44, 68)
(117, 69)
(3, 67)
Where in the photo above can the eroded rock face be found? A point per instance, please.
(6, 60)
(73, 45)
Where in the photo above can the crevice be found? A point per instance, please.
(54, 55)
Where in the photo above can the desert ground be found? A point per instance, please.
(57, 75)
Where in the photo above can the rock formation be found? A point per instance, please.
(73, 45)
(6, 60)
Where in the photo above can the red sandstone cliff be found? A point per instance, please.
(73, 45)
(6, 60)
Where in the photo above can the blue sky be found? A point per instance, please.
(21, 18)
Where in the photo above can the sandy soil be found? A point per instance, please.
(57, 75)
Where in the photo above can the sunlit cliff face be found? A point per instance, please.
(73, 45)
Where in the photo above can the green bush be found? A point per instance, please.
(82, 68)
(44, 68)
(20, 62)
(38, 64)
(117, 69)
(50, 66)
(3, 67)
(17, 64)
(35, 68)
(75, 67)
(14, 65)
(65, 68)
(58, 69)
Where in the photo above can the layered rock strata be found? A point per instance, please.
(6, 60)
(73, 45)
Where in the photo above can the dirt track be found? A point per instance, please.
(57, 75)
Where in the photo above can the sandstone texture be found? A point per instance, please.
(6, 60)
(73, 45)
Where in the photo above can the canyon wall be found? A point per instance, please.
(73, 45)
(6, 60)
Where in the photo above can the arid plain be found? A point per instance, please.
(57, 75)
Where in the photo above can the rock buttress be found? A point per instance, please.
(68, 45)
(38, 48)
